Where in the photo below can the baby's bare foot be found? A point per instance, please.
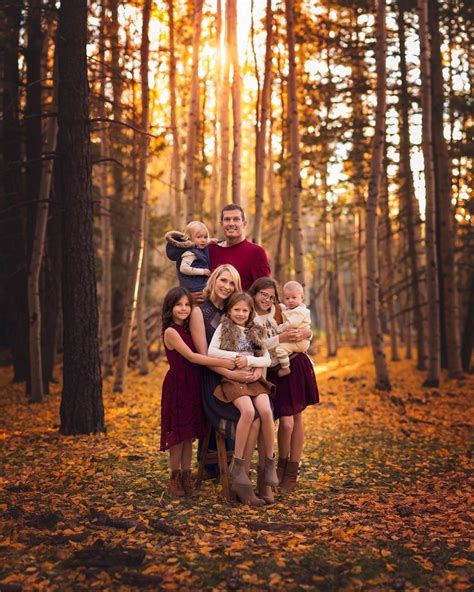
(284, 372)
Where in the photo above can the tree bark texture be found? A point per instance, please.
(190, 186)
(139, 236)
(82, 410)
(176, 200)
(224, 114)
(382, 379)
(294, 144)
(262, 118)
(430, 232)
(236, 106)
(409, 212)
(445, 229)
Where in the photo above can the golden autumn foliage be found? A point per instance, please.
(383, 501)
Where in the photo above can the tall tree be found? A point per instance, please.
(382, 380)
(190, 187)
(430, 233)
(82, 410)
(262, 114)
(409, 213)
(449, 298)
(224, 112)
(236, 105)
(176, 200)
(294, 145)
(139, 235)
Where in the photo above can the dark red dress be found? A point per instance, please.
(181, 408)
(295, 391)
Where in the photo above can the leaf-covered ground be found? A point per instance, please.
(383, 502)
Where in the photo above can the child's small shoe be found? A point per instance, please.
(175, 484)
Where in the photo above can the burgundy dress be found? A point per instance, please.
(295, 391)
(181, 408)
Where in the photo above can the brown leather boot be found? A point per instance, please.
(175, 485)
(187, 483)
(281, 466)
(270, 476)
(290, 478)
(241, 484)
(264, 491)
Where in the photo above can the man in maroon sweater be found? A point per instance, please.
(249, 259)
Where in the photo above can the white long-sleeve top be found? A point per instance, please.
(295, 318)
(243, 349)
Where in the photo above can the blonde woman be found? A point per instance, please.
(205, 318)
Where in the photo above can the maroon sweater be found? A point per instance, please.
(249, 260)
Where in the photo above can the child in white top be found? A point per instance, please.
(295, 316)
(240, 339)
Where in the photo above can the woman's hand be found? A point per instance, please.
(245, 375)
(257, 374)
(289, 336)
(229, 364)
(241, 361)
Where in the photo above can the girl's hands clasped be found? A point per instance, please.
(241, 361)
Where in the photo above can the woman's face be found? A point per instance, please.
(264, 299)
(224, 286)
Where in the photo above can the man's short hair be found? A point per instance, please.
(232, 207)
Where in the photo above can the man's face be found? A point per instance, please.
(233, 225)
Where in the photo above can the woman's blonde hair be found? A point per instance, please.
(193, 227)
(209, 290)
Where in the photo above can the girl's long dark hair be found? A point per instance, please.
(171, 298)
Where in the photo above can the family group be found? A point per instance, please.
(236, 359)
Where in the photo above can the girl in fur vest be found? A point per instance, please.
(240, 339)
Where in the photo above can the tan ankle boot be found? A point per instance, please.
(187, 482)
(175, 485)
(281, 466)
(290, 478)
(264, 491)
(241, 484)
(270, 477)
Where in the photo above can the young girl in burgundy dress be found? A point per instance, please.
(182, 418)
(294, 392)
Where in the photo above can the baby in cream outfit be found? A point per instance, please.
(295, 316)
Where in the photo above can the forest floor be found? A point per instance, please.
(382, 504)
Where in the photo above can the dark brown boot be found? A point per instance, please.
(241, 484)
(264, 491)
(187, 482)
(281, 466)
(175, 485)
(290, 478)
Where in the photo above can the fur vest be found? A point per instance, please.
(231, 333)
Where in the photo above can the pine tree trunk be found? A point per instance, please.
(141, 328)
(382, 380)
(34, 305)
(294, 144)
(176, 202)
(387, 248)
(409, 214)
(224, 118)
(449, 298)
(105, 224)
(262, 118)
(430, 240)
(139, 237)
(236, 106)
(82, 410)
(328, 316)
(190, 188)
(214, 193)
